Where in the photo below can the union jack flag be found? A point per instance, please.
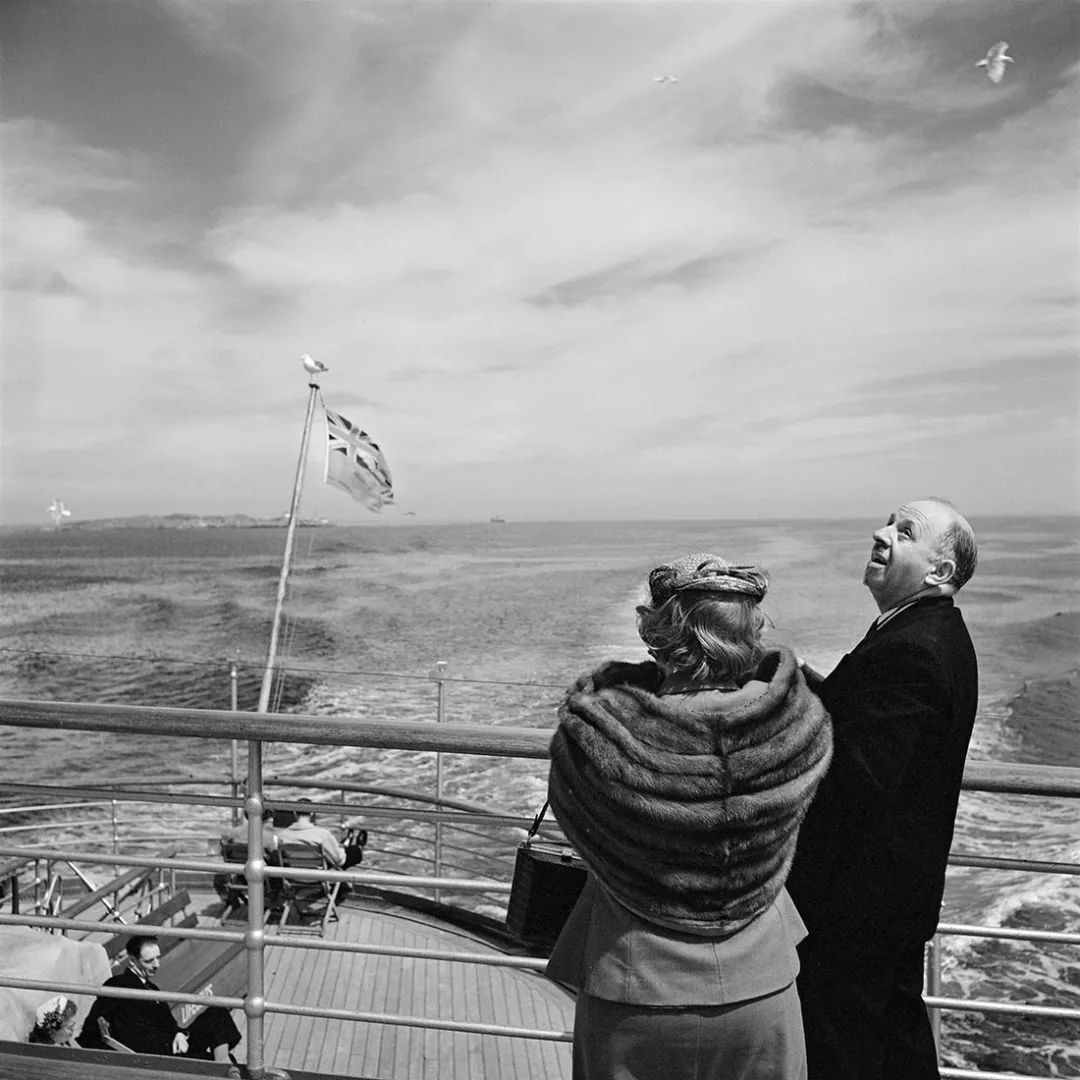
(355, 463)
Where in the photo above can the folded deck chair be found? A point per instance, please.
(108, 1040)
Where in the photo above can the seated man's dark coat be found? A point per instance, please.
(147, 1027)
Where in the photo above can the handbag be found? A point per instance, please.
(548, 878)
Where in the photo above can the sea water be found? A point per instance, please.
(154, 616)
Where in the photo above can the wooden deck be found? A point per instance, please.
(411, 987)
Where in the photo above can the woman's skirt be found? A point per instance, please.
(759, 1039)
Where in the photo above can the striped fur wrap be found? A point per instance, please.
(687, 806)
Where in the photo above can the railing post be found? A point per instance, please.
(255, 935)
(234, 772)
(441, 667)
(115, 829)
(933, 987)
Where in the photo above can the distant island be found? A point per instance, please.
(189, 521)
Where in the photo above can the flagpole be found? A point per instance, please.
(271, 652)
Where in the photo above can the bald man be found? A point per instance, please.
(869, 869)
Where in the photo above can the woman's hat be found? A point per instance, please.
(51, 1014)
(706, 573)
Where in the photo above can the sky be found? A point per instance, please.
(826, 267)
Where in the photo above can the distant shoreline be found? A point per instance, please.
(176, 521)
(246, 521)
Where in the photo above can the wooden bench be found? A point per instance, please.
(158, 916)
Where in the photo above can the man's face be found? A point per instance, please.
(149, 960)
(906, 550)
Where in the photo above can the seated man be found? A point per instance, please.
(149, 1027)
(238, 834)
(304, 831)
(231, 888)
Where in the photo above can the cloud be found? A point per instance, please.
(528, 264)
(634, 276)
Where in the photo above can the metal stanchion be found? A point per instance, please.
(441, 668)
(255, 935)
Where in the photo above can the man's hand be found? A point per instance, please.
(814, 679)
(179, 1043)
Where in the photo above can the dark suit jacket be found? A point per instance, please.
(869, 869)
(144, 1026)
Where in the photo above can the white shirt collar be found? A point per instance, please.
(885, 616)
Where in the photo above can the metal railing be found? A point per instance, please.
(257, 729)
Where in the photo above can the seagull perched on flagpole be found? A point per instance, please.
(313, 367)
(995, 60)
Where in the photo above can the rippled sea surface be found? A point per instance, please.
(154, 617)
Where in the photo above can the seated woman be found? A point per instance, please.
(682, 782)
(54, 1022)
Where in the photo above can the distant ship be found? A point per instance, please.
(496, 520)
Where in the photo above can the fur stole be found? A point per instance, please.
(687, 806)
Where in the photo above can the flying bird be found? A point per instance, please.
(57, 511)
(995, 60)
(665, 79)
(312, 366)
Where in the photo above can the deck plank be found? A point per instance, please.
(322, 1029)
(379, 981)
(354, 976)
(413, 987)
(469, 974)
(367, 1038)
(418, 1006)
(391, 980)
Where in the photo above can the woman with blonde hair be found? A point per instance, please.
(682, 782)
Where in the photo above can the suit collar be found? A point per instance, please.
(906, 613)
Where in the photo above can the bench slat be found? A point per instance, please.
(156, 917)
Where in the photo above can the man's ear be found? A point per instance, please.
(941, 573)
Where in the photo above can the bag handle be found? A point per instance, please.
(534, 828)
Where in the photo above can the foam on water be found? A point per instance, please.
(539, 604)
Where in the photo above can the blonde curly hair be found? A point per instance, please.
(706, 635)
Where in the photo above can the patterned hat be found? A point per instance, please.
(706, 573)
(51, 1014)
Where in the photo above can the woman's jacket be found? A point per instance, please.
(687, 806)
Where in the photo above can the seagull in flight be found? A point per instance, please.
(665, 79)
(313, 367)
(995, 60)
(58, 512)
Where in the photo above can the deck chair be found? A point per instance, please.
(233, 887)
(312, 903)
(108, 1040)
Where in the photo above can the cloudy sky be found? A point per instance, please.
(827, 267)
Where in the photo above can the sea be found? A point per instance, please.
(515, 611)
